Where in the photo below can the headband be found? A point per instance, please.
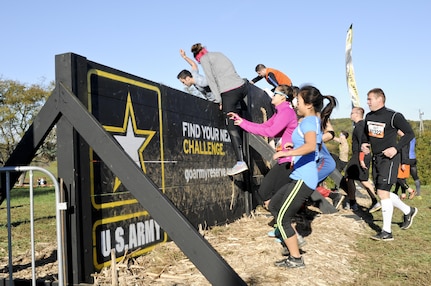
(278, 92)
(201, 53)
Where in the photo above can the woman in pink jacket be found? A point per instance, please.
(280, 125)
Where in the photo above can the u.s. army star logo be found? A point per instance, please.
(134, 140)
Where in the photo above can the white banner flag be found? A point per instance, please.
(350, 73)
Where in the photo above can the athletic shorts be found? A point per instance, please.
(354, 170)
(385, 171)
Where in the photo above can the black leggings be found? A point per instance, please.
(401, 183)
(286, 203)
(230, 101)
(277, 177)
(414, 169)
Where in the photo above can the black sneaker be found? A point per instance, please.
(383, 235)
(291, 262)
(408, 219)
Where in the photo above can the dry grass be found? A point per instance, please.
(245, 245)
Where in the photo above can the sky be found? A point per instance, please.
(304, 39)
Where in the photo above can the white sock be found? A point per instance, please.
(399, 204)
(387, 211)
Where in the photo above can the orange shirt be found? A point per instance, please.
(280, 78)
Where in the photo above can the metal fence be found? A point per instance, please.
(60, 206)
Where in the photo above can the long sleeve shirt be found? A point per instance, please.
(281, 124)
(220, 73)
(357, 135)
(381, 127)
(274, 77)
(202, 86)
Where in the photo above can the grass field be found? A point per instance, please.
(44, 215)
(404, 261)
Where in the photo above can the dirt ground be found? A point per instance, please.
(247, 248)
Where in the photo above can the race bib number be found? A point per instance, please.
(376, 129)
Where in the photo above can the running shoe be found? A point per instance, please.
(291, 262)
(383, 235)
(408, 219)
(377, 206)
(239, 167)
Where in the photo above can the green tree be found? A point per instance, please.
(423, 156)
(19, 104)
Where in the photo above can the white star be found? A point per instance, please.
(130, 143)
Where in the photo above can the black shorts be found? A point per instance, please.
(385, 171)
(354, 170)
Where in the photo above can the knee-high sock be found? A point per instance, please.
(399, 204)
(387, 211)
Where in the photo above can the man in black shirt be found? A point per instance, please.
(359, 164)
(381, 127)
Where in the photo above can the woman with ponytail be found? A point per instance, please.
(279, 126)
(229, 89)
(307, 142)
